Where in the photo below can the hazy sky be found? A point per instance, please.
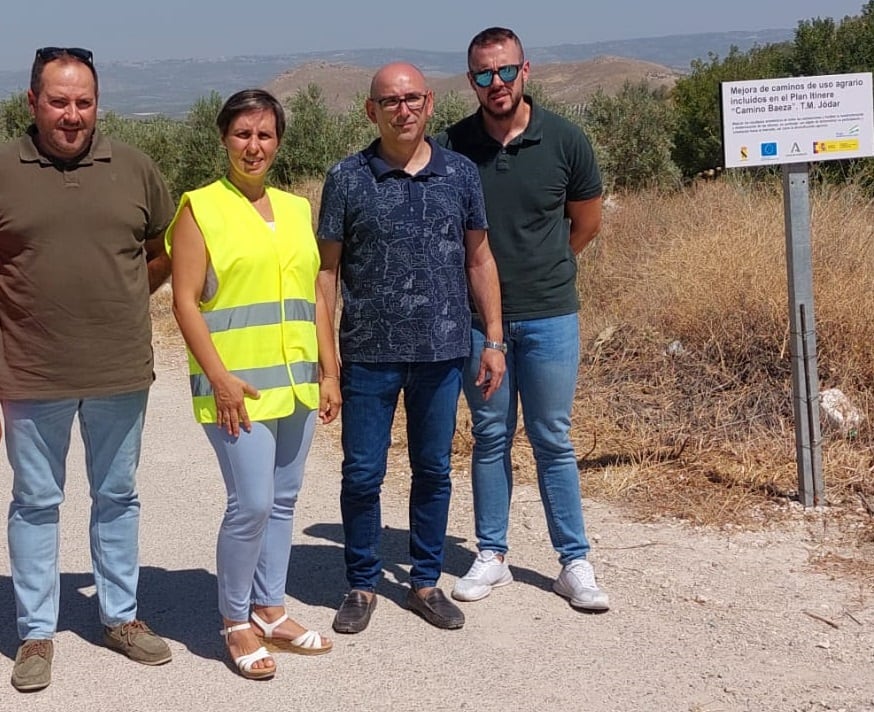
(181, 29)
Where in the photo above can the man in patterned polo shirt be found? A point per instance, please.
(404, 224)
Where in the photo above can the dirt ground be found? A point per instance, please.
(701, 621)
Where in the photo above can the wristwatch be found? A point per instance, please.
(497, 345)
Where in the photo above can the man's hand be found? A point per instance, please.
(492, 366)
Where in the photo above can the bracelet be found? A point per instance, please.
(496, 345)
(330, 375)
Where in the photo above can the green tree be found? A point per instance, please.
(312, 139)
(355, 130)
(698, 134)
(632, 132)
(158, 137)
(815, 50)
(15, 115)
(202, 158)
(823, 47)
(448, 109)
(855, 38)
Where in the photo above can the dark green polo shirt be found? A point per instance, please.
(526, 185)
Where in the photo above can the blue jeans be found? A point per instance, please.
(543, 356)
(370, 396)
(37, 441)
(263, 472)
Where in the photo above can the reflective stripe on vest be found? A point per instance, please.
(262, 378)
(258, 315)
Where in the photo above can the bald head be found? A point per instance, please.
(396, 73)
(400, 105)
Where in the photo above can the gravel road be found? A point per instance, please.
(701, 621)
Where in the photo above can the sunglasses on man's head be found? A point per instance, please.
(507, 73)
(47, 54)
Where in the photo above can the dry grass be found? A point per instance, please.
(703, 430)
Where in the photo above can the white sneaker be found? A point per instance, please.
(576, 582)
(487, 572)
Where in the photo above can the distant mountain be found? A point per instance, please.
(565, 82)
(170, 86)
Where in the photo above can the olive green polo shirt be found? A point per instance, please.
(74, 289)
(526, 184)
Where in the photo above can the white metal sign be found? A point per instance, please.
(797, 119)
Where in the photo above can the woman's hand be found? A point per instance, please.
(230, 403)
(330, 399)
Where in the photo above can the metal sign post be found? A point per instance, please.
(802, 334)
(791, 122)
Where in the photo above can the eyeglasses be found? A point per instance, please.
(414, 102)
(507, 73)
(47, 54)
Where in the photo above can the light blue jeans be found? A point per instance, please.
(263, 472)
(543, 356)
(37, 441)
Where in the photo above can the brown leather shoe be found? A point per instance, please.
(354, 613)
(436, 609)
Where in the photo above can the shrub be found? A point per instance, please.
(202, 156)
(448, 109)
(632, 131)
(158, 137)
(15, 116)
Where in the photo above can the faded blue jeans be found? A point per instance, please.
(370, 396)
(37, 440)
(543, 356)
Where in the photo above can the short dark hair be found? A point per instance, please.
(59, 54)
(250, 100)
(493, 35)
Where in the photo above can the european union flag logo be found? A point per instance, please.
(769, 149)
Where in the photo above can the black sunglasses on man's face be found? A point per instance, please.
(47, 54)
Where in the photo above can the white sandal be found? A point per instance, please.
(307, 643)
(245, 662)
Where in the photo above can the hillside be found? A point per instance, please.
(171, 86)
(565, 82)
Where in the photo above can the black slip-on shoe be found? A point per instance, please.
(354, 613)
(436, 609)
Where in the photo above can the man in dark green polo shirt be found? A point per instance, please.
(543, 200)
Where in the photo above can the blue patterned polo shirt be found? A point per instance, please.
(402, 269)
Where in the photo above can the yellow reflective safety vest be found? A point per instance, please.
(261, 310)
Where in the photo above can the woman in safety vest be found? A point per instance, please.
(244, 295)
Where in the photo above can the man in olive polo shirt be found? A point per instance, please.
(543, 200)
(81, 248)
